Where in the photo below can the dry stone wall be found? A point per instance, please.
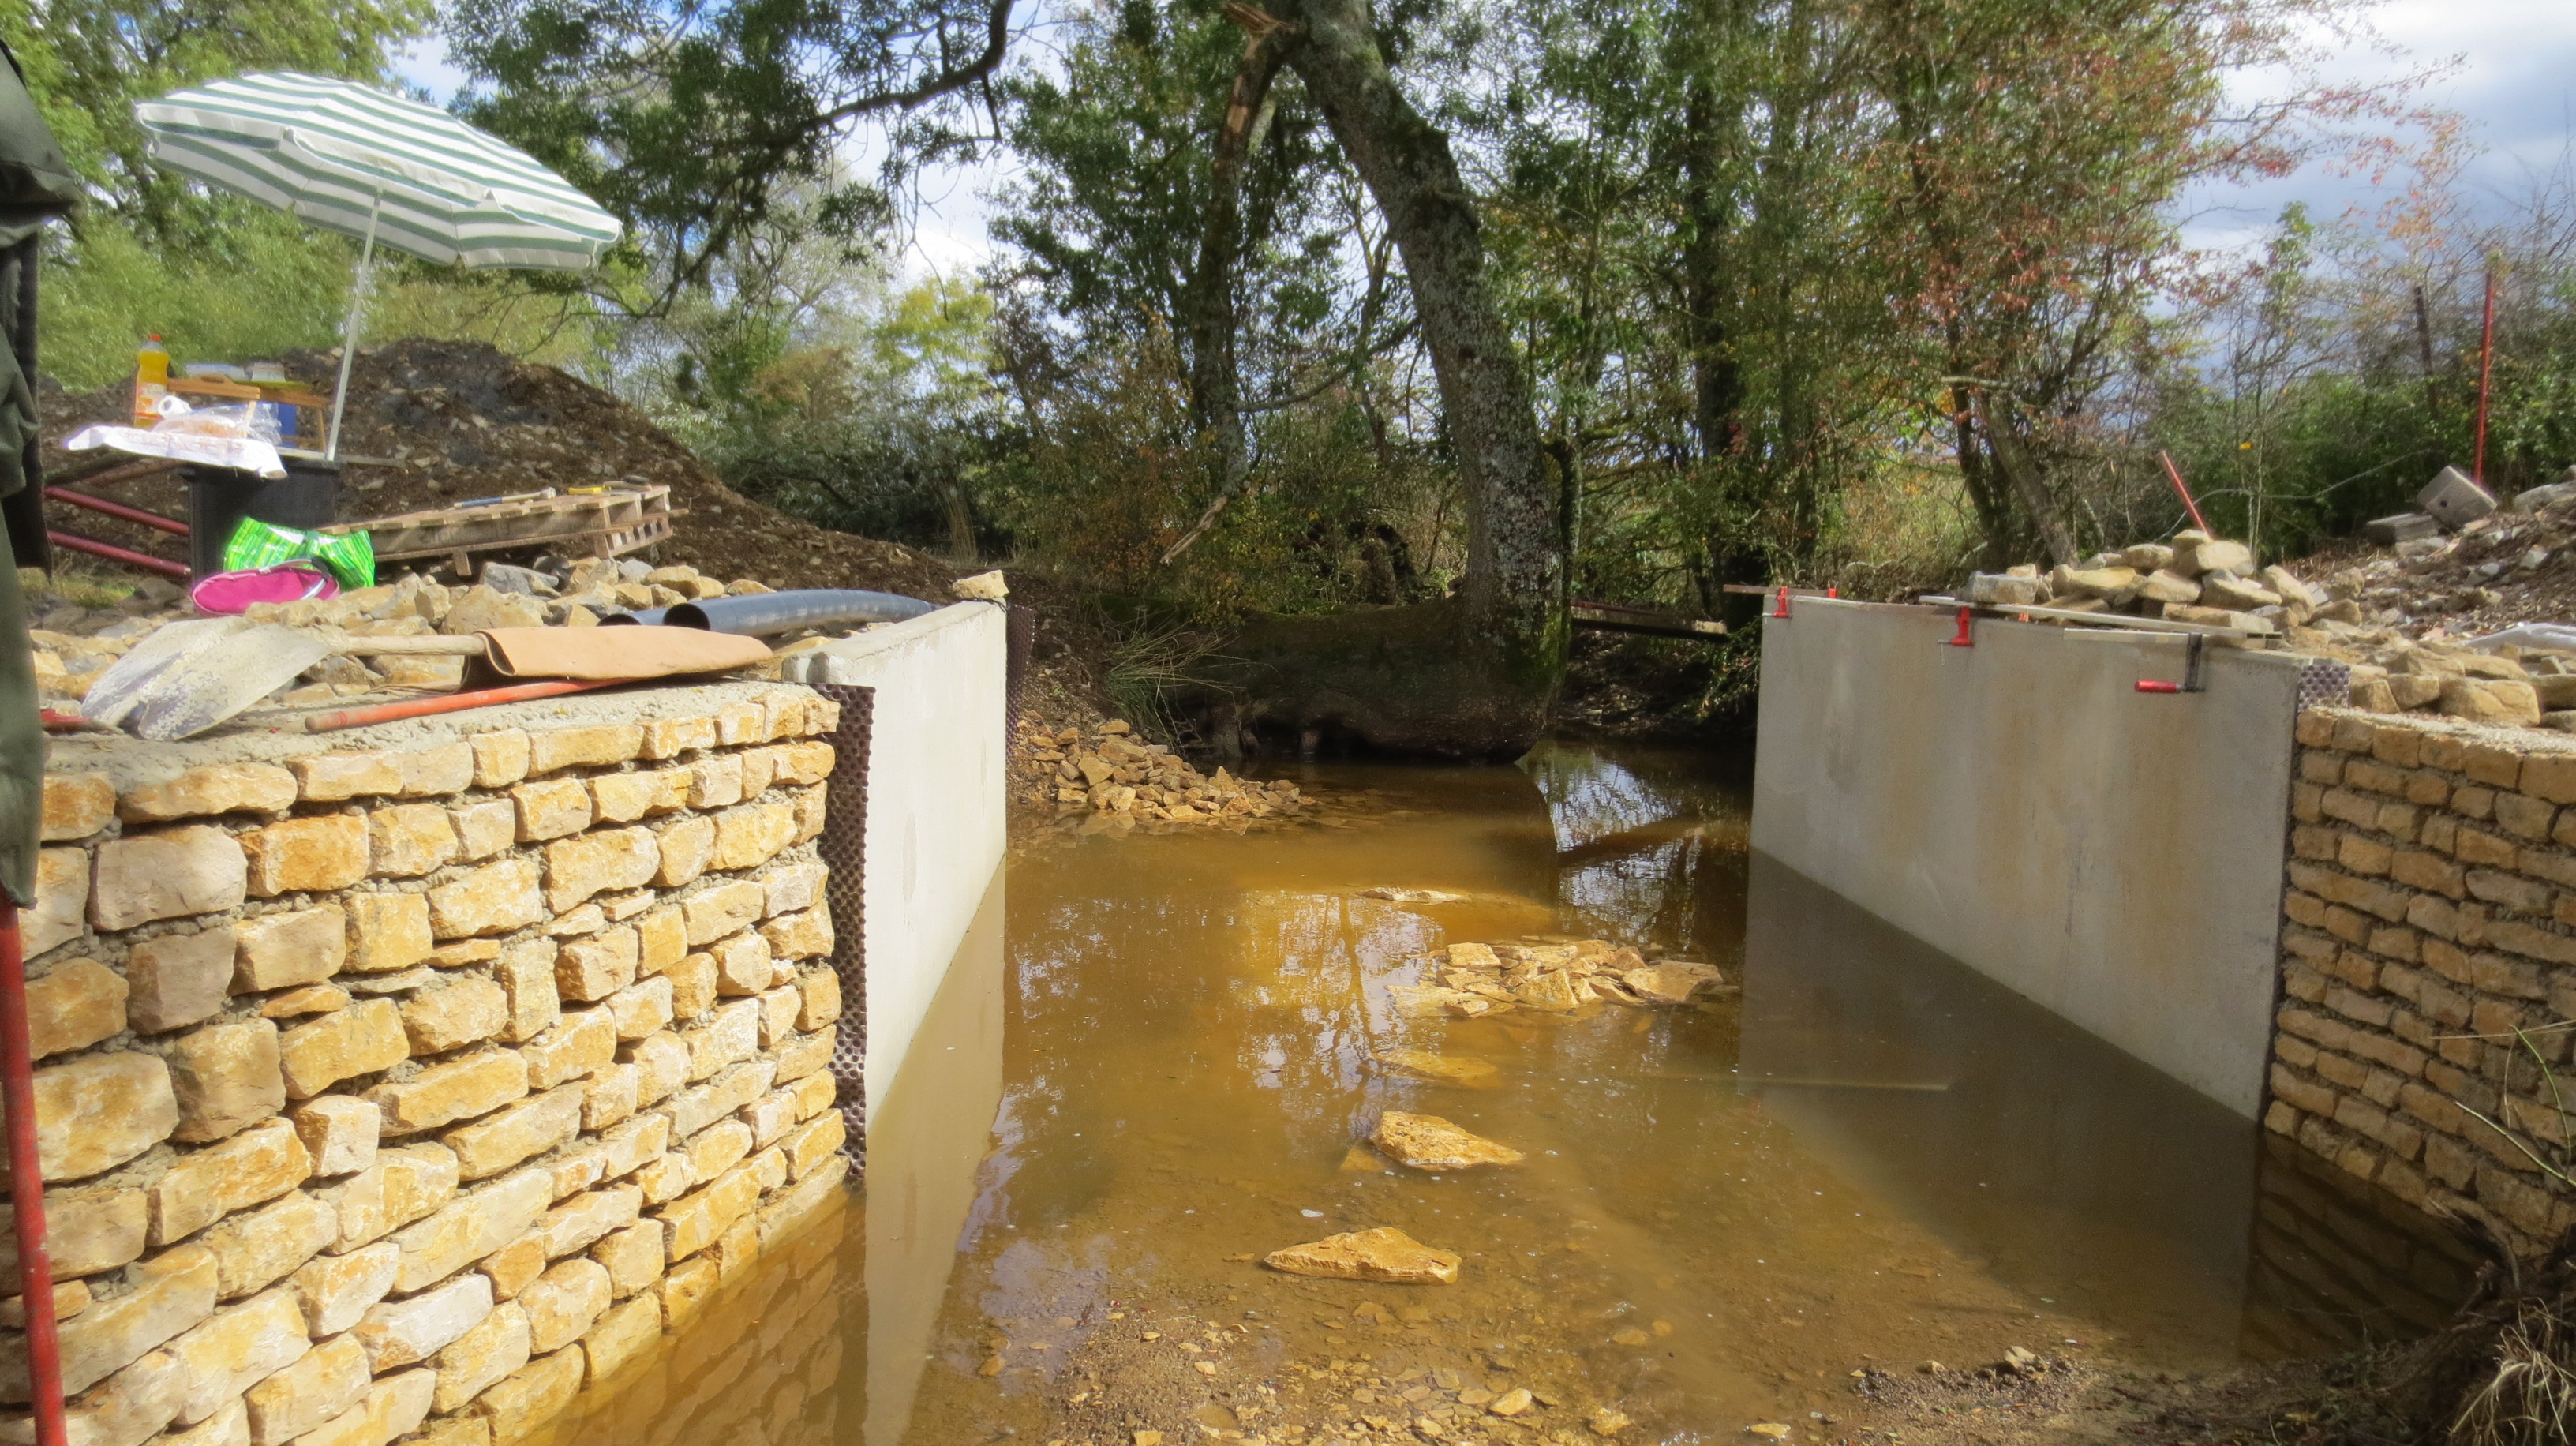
(2428, 965)
(409, 1084)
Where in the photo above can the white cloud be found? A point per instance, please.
(2512, 81)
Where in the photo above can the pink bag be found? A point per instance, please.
(234, 592)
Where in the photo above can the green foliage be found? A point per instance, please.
(699, 124)
(273, 287)
(89, 61)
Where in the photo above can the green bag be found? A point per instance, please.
(351, 557)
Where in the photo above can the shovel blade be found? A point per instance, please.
(215, 683)
(124, 683)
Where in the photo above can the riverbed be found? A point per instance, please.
(1152, 1063)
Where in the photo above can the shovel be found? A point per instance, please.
(189, 677)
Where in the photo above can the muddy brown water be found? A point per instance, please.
(1152, 1058)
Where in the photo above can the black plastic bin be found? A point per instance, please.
(308, 496)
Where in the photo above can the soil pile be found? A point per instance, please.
(444, 422)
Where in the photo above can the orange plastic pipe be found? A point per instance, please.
(451, 703)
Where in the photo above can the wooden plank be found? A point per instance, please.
(2099, 620)
(605, 541)
(1612, 618)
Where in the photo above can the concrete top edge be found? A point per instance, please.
(135, 762)
(902, 634)
(1985, 619)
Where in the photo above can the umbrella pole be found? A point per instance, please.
(349, 332)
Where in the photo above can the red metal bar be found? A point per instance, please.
(2175, 474)
(113, 553)
(2486, 373)
(170, 525)
(451, 703)
(27, 1187)
(2151, 685)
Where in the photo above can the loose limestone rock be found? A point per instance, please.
(1383, 1254)
(1460, 1070)
(1671, 982)
(1428, 1142)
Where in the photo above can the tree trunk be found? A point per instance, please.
(1712, 122)
(2022, 471)
(1513, 594)
(1216, 381)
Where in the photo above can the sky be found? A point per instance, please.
(2507, 67)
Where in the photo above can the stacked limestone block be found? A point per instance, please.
(419, 1083)
(759, 1363)
(2428, 964)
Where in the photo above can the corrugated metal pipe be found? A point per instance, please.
(761, 614)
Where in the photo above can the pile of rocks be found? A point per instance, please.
(1477, 980)
(76, 643)
(1110, 771)
(2195, 578)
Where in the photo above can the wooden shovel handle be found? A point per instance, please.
(468, 646)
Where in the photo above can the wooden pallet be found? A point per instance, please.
(607, 524)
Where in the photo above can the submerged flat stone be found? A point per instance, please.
(1474, 956)
(1450, 1069)
(1384, 1254)
(1428, 1142)
(1551, 990)
(1431, 1001)
(1394, 895)
(1671, 982)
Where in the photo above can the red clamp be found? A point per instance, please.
(2191, 678)
(1780, 609)
(1965, 639)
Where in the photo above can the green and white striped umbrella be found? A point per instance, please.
(358, 161)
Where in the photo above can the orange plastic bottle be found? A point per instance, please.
(151, 381)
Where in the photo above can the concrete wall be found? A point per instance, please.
(937, 790)
(2112, 855)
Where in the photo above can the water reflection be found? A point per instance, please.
(2057, 1162)
(926, 1139)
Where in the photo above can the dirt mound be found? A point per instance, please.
(446, 422)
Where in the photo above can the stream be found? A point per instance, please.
(1151, 1062)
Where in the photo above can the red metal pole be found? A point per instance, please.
(2175, 474)
(27, 1187)
(2486, 373)
(170, 525)
(113, 553)
(451, 703)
